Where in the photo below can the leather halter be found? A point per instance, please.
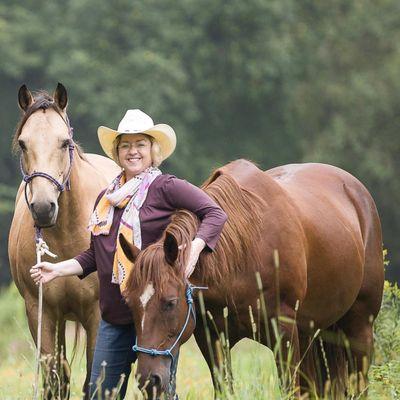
(66, 184)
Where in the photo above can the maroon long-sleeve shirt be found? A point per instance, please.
(166, 195)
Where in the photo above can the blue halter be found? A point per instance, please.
(168, 352)
(190, 311)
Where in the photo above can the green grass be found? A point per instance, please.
(254, 370)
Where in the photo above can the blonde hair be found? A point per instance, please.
(155, 151)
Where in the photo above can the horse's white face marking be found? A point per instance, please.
(143, 321)
(147, 295)
(144, 299)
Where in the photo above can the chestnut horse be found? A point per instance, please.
(323, 224)
(45, 141)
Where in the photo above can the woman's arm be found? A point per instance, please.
(46, 271)
(183, 195)
(81, 265)
(180, 194)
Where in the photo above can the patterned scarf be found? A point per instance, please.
(130, 196)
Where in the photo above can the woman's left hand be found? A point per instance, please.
(196, 247)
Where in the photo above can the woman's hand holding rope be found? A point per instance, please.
(46, 271)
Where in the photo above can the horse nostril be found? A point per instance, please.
(155, 380)
(52, 206)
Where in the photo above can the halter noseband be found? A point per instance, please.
(168, 352)
(60, 186)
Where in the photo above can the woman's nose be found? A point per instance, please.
(132, 150)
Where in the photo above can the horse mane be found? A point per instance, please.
(41, 101)
(233, 253)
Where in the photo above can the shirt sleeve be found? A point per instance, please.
(180, 194)
(87, 259)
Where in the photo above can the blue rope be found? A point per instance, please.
(191, 311)
(168, 352)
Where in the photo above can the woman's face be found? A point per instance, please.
(134, 154)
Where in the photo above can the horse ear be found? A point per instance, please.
(129, 249)
(60, 96)
(170, 248)
(25, 98)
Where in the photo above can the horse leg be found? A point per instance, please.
(359, 343)
(324, 365)
(63, 367)
(214, 361)
(309, 368)
(288, 350)
(357, 323)
(50, 349)
(91, 324)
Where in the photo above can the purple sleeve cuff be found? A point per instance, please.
(183, 195)
(87, 262)
(218, 221)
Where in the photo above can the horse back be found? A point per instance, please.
(103, 165)
(249, 177)
(317, 188)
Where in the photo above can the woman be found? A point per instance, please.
(139, 204)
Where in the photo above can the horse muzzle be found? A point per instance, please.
(44, 213)
(156, 384)
(152, 385)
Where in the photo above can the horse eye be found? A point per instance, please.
(65, 144)
(169, 305)
(22, 145)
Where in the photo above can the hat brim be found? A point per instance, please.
(163, 134)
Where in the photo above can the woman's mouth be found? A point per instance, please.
(133, 159)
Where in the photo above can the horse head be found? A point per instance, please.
(44, 139)
(157, 294)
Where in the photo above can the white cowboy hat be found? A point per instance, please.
(134, 122)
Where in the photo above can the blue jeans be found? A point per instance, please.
(114, 346)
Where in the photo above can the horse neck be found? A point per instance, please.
(206, 262)
(236, 251)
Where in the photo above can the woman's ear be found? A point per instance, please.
(129, 249)
(170, 248)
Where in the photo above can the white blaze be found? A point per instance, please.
(145, 297)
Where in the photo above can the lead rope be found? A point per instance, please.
(41, 250)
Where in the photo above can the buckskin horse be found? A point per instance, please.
(324, 225)
(51, 162)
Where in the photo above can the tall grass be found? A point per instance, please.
(251, 364)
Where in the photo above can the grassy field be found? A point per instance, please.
(254, 370)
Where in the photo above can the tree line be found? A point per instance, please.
(277, 81)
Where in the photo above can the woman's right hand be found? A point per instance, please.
(44, 272)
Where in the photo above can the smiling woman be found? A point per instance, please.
(138, 204)
(145, 145)
(134, 154)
